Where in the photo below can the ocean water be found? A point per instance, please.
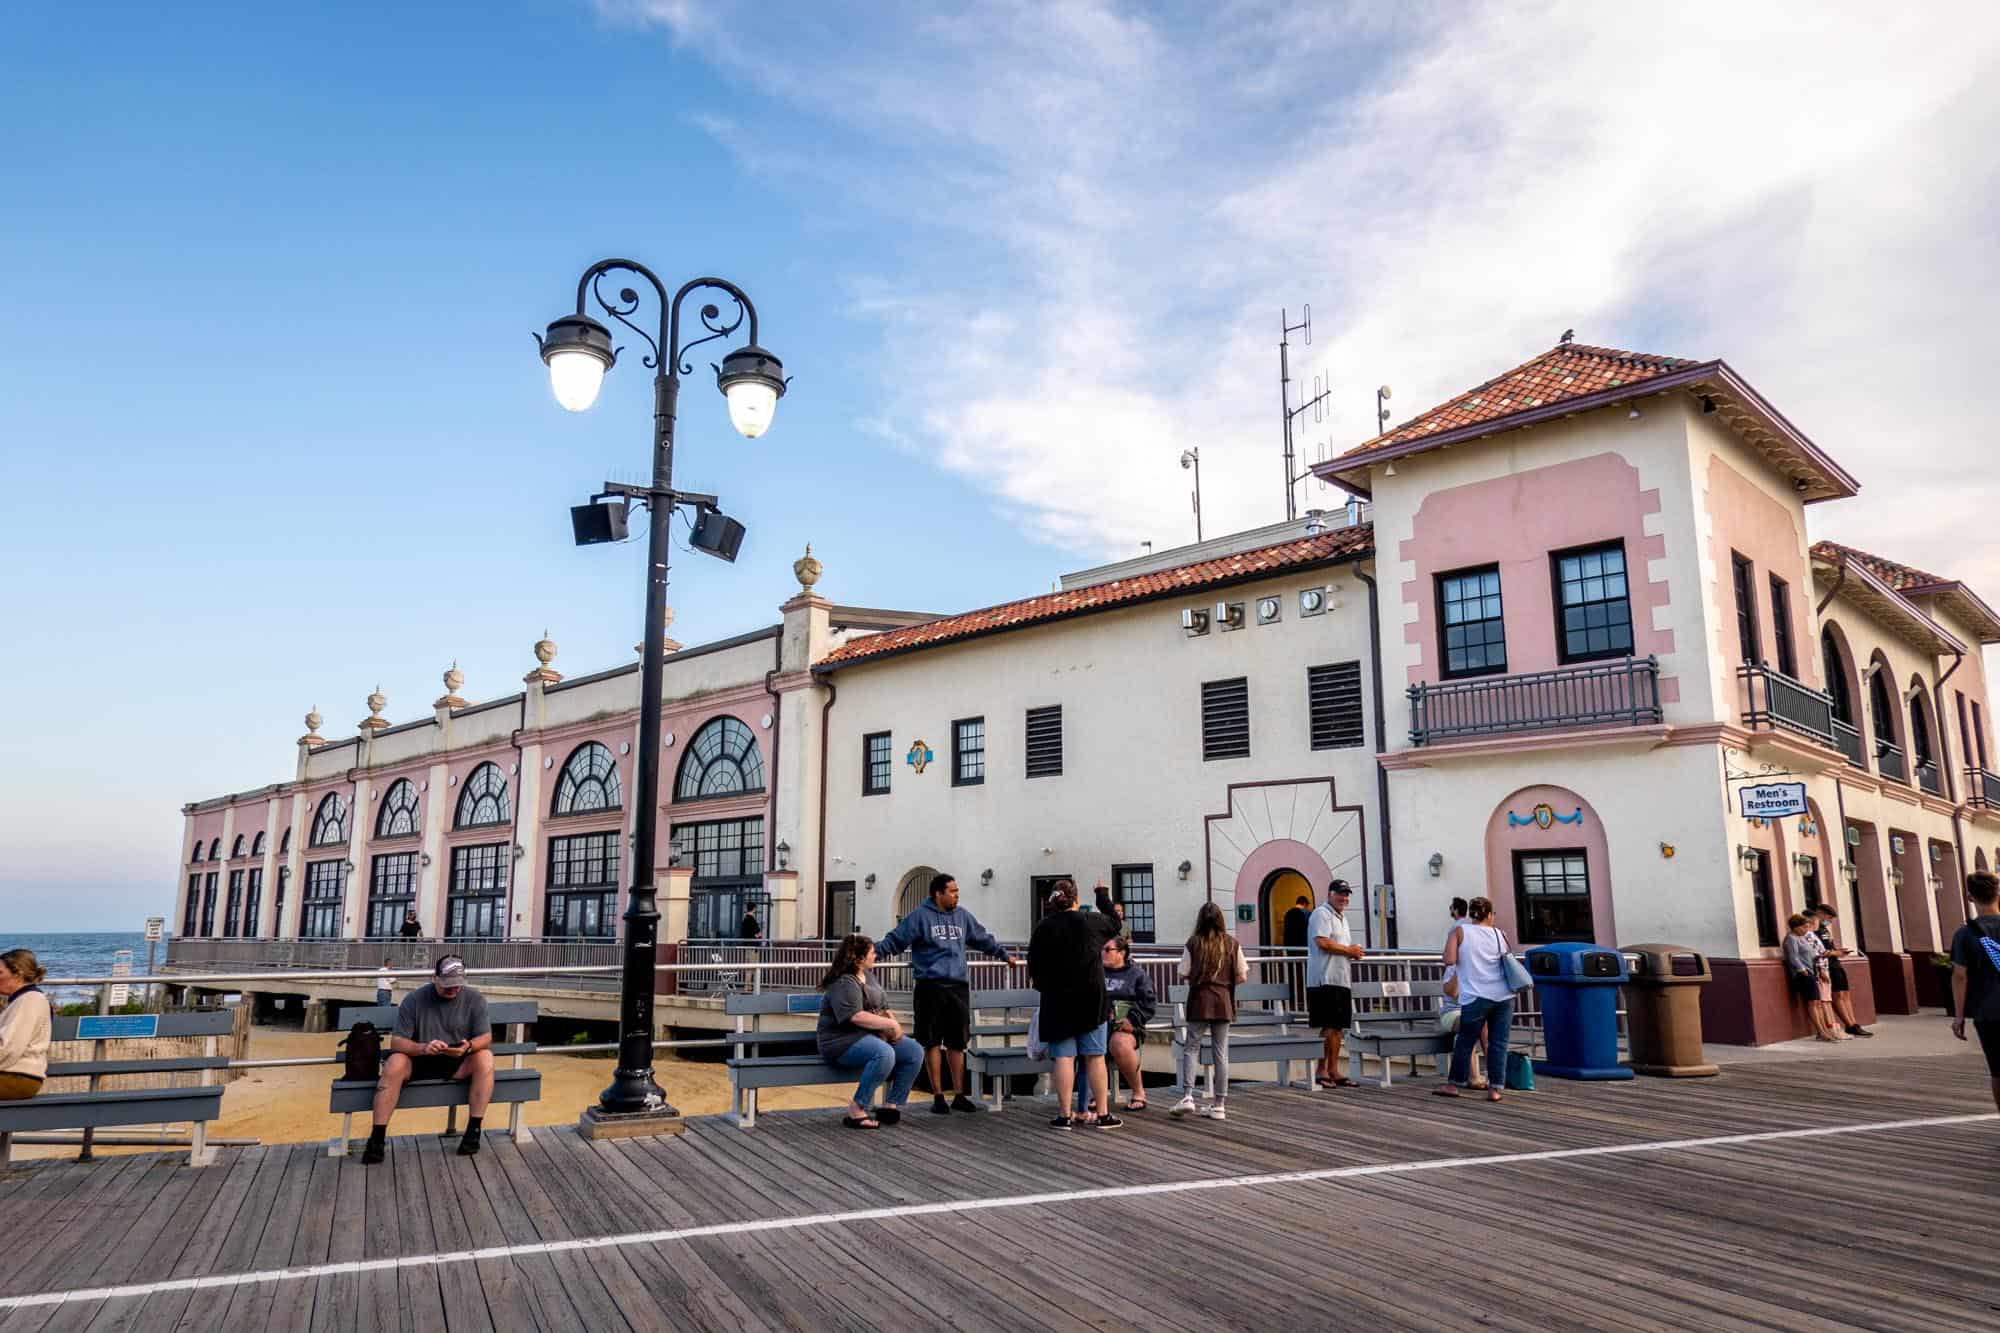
(83, 954)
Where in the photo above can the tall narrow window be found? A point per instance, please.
(968, 752)
(1740, 575)
(232, 911)
(392, 891)
(1763, 903)
(1781, 627)
(253, 899)
(476, 907)
(1333, 702)
(1809, 882)
(1552, 896)
(1225, 719)
(1836, 678)
(257, 845)
(728, 860)
(1133, 886)
(192, 916)
(321, 903)
(875, 764)
(1920, 734)
(278, 902)
(1472, 636)
(1045, 742)
(208, 901)
(1880, 712)
(839, 908)
(1978, 734)
(236, 848)
(1593, 602)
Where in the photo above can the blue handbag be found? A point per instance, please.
(1520, 1072)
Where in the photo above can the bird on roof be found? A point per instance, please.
(1569, 336)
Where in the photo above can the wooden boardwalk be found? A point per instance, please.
(1883, 1228)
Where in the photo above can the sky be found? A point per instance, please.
(273, 431)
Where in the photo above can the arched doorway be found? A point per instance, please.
(1283, 889)
(912, 889)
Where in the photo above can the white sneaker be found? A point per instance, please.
(1185, 1106)
(1214, 1111)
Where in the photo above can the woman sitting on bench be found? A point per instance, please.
(24, 1027)
(857, 1031)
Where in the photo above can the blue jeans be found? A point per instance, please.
(381, 995)
(1092, 1042)
(877, 1060)
(1497, 1017)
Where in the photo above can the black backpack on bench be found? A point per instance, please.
(363, 1045)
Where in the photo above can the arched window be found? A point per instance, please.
(398, 818)
(1920, 731)
(589, 782)
(215, 849)
(195, 857)
(285, 844)
(483, 801)
(721, 760)
(257, 844)
(329, 821)
(1881, 713)
(1834, 668)
(236, 848)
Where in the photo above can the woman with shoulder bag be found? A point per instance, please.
(24, 1027)
(1213, 966)
(1477, 952)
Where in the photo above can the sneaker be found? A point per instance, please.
(1185, 1106)
(939, 1106)
(1858, 1031)
(469, 1145)
(1214, 1111)
(1110, 1122)
(372, 1154)
(964, 1103)
(1061, 1122)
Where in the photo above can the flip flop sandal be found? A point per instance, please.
(1139, 1105)
(861, 1122)
(1343, 1083)
(1445, 1090)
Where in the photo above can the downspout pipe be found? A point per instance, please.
(1381, 773)
(1944, 744)
(777, 739)
(832, 693)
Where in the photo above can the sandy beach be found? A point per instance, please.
(288, 1105)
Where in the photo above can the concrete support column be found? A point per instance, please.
(783, 888)
(676, 889)
(439, 804)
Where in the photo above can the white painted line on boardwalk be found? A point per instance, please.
(899, 1211)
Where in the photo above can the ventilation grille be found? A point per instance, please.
(1334, 693)
(1045, 742)
(1225, 719)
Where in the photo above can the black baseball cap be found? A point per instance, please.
(1338, 886)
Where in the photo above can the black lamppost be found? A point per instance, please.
(578, 351)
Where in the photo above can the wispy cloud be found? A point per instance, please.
(1098, 212)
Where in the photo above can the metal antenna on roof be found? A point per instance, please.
(1321, 392)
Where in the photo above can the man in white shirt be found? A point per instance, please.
(1330, 980)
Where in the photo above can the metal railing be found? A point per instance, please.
(1889, 762)
(1930, 779)
(291, 956)
(1625, 692)
(1847, 740)
(1774, 699)
(1982, 788)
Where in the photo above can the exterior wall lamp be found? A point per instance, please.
(784, 855)
(577, 349)
(1185, 868)
(1747, 855)
(986, 876)
(868, 882)
(1851, 873)
(1436, 864)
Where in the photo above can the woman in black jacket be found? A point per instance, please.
(1132, 1005)
(1066, 965)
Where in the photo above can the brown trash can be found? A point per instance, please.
(1663, 1010)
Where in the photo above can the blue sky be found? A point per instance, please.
(272, 430)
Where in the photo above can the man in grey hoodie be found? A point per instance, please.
(936, 934)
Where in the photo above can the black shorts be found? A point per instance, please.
(944, 1014)
(1805, 986)
(1989, 1038)
(1330, 1007)
(1839, 975)
(428, 1067)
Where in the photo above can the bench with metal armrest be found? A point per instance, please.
(1265, 1031)
(108, 1108)
(512, 1087)
(750, 1069)
(1414, 1029)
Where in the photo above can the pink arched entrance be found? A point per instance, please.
(1271, 858)
(1513, 833)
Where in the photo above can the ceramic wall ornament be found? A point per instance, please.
(919, 756)
(1666, 851)
(1544, 817)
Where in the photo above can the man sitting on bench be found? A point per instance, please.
(441, 1033)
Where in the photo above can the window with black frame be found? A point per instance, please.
(721, 760)
(1832, 667)
(1132, 886)
(875, 764)
(278, 901)
(968, 752)
(322, 901)
(1472, 633)
(582, 895)
(208, 903)
(1741, 577)
(1764, 901)
(392, 891)
(1781, 627)
(1552, 896)
(192, 916)
(728, 860)
(232, 909)
(588, 783)
(253, 899)
(399, 817)
(1593, 603)
(329, 826)
(482, 801)
(476, 903)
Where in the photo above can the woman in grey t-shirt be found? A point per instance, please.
(857, 1031)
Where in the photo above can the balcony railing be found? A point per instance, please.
(1930, 779)
(1625, 692)
(1982, 788)
(1773, 699)
(1847, 739)
(1889, 763)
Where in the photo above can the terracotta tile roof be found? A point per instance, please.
(1902, 578)
(1567, 370)
(1302, 553)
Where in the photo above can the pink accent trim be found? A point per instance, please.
(1516, 521)
(1748, 521)
(1275, 855)
(1504, 839)
(1529, 742)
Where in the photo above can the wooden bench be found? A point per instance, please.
(101, 1108)
(1412, 1031)
(512, 1088)
(1266, 1031)
(749, 1070)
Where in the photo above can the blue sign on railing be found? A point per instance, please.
(802, 1004)
(112, 1027)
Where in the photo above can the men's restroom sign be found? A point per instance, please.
(1772, 800)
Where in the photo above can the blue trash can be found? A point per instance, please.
(1577, 985)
